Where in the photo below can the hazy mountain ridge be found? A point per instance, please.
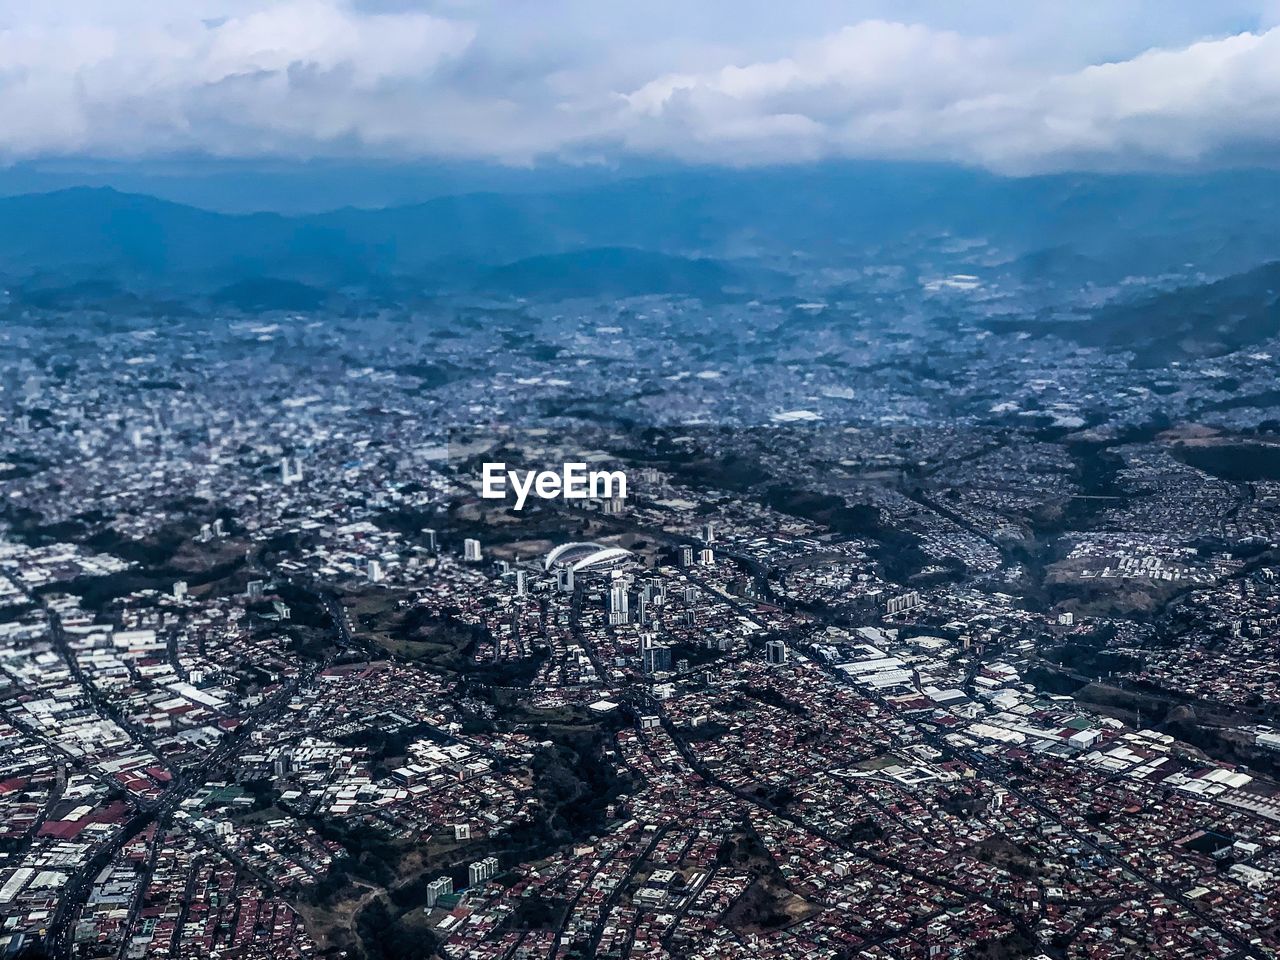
(1207, 320)
(1063, 241)
(1086, 227)
(613, 272)
(1193, 321)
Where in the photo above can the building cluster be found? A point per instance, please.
(915, 672)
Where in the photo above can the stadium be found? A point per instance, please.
(583, 557)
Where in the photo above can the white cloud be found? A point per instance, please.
(289, 77)
(571, 79)
(888, 90)
(814, 102)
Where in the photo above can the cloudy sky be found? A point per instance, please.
(1013, 86)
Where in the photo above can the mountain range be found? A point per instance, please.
(1082, 228)
(1186, 263)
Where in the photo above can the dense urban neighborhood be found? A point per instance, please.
(932, 644)
(715, 480)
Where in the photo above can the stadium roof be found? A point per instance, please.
(585, 556)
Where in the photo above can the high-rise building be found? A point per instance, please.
(374, 571)
(903, 602)
(482, 870)
(619, 604)
(520, 584)
(471, 550)
(429, 538)
(256, 589)
(179, 589)
(709, 533)
(290, 471)
(564, 579)
(775, 651)
(438, 888)
(656, 659)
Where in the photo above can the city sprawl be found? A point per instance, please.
(939, 643)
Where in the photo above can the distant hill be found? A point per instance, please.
(609, 272)
(1190, 323)
(1062, 229)
(102, 295)
(1208, 320)
(99, 230)
(258, 294)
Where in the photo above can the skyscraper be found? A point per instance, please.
(656, 660)
(619, 604)
(471, 551)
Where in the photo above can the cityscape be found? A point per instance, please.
(897, 676)
(641, 483)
